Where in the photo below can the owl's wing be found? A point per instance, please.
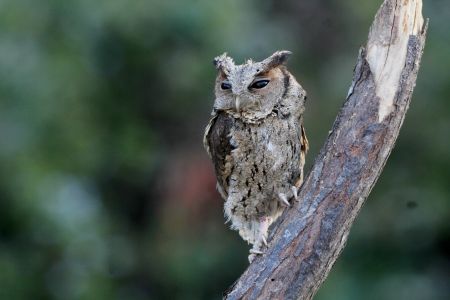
(207, 134)
(217, 143)
(303, 150)
(304, 141)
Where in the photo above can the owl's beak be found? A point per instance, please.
(238, 104)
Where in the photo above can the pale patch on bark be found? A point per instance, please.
(386, 47)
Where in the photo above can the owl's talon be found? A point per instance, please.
(251, 257)
(282, 197)
(264, 240)
(295, 192)
(255, 251)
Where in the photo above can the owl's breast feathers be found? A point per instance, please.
(218, 143)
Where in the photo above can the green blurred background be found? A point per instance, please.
(106, 191)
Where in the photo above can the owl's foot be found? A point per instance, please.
(261, 242)
(253, 254)
(255, 251)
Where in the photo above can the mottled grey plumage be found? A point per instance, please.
(257, 142)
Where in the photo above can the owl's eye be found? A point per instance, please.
(259, 84)
(225, 85)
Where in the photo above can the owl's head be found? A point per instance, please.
(254, 89)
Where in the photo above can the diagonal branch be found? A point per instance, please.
(312, 234)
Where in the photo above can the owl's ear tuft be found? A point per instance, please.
(223, 63)
(217, 61)
(276, 59)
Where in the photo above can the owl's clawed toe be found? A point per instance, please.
(256, 251)
(253, 254)
(251, 257)
(283, 198)
(264, 240)
(295, 192)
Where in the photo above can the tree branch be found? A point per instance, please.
(311, 235)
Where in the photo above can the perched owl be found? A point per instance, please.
(257, 142)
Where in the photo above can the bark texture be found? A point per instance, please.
(310, 236)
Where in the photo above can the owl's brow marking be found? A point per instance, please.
(262, 73)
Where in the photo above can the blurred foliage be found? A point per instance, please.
(105, 190)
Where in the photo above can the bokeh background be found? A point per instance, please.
(106, 191)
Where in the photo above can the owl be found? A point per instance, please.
(257, 143)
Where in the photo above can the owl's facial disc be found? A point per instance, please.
(253, 89)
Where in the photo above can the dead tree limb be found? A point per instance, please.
(312, 234)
